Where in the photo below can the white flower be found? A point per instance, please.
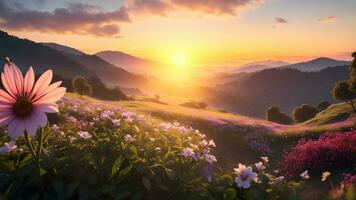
(210, 158)
(244, 176)
(188, 152)
(203, 143)
(8, 147)
(278, 180)
(55, 128)
(84, 135)
(129, 139)
(305, 175)
(259, 166)
(264, 159)
(325, 176)
(116, 122)
(106, 114)
(211, 143)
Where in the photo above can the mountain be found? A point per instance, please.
(107, 72)
(27, 53)
(128, 62)
(259, 65)
(285, 88)
(316, 64)
(63, 48)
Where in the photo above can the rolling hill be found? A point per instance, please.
(258, 66)
(316, 64)
(128, 62)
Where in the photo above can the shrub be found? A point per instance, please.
(195, 104)
(304, 113)
(273, 114)
(323, 105)
(332, 151)
(81, 86)
(342, 92)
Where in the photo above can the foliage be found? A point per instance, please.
(304, 112)
(323, 105)
(353, 73)
(332, 151)
(81, 86)
(195, 104)
(273, 114)
(99, 151)
(342, 92)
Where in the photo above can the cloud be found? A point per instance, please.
(76, 18)
(208, 7)
(280, 20)
(328, 20)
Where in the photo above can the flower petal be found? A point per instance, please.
(18, 78)
(40, 118)
(52, 96)
(42, 84)
(29, 81)
(47, 108)
(5, 97)
(8, 83)
(31, 126)
(49, 89)
(16, 128)
(4, 120)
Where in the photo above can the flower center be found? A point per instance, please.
(244, 177)
(23, 107)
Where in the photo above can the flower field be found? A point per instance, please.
(56, 147)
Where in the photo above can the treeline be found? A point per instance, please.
(343, 91)
(92, 87)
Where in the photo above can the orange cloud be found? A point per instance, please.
(328, 20)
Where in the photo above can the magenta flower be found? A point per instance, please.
(24, 103)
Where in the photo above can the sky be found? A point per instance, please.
(198, 32)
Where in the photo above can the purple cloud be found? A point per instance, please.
(281, 20)
(76, 18)
(328, 20)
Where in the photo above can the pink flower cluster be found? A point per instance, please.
(331, 151)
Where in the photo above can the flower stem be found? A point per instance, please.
(30, 146)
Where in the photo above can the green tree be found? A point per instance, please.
(273, 114)
(342, 92)
(304, 113)
(323, 105)
(81, 86)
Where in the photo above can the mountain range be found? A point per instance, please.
(66, 62)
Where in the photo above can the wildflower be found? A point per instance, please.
(106, 114)
(196, 156)
(305, 175)
(211, 143)
(24, 103)
(210, 158)
(325, 176)
(244, 176)
(116, 122)
(140, 117)
(207, 172)
(265, 159)
(188, 152)
(72, 139)
(158, 149)
(129, 139)
(84, 135)
(203, 143)
(8, 147)
(55, 128)
(259, 166)
(279, 180)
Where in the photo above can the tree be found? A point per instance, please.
(81, 86)
(304, 113)
(342, 92)
(323, 105)
(273, 114)
(353, 73)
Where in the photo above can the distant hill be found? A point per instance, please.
(27, 53)
(285, 88)
(128, 62)
(316, 64)
(259, 65)
(63, 48)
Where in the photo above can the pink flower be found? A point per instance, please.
(24, 103)
(8, 147)
(84, 134)
(244, 176)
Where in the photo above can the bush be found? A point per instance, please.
(195, 104)
(342, 92)
(323, 105)
(304, 113)
(332, 151)
(273, 114)
(81, 86)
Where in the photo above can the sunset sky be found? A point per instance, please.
(216, 32)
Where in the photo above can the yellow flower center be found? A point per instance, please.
(23, 107)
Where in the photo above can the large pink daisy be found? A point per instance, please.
(24, 103)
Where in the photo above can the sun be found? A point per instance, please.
(179, 59)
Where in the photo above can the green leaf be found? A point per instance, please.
(230, 194)
(115, 166)
(147, 183)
